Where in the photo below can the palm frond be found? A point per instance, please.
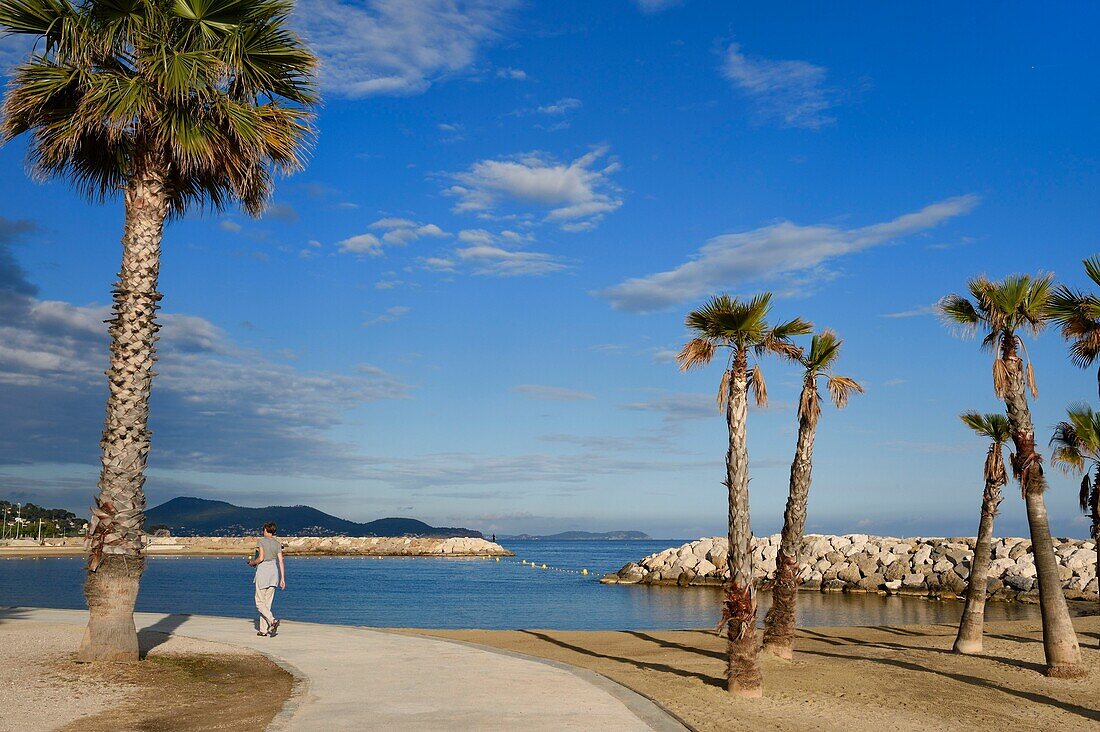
(1001, 377)
(696, 352)
(959, 312)
(809, 403)
(841, 389)
(759, 388)
(723, 398)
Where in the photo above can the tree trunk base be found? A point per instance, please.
(779, 651)
(968, 646)
(753, 693)
(111, 592)
(1067, 671)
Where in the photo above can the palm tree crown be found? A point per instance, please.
(212, 93)
(1077, 314)
(1076, 444)
(996, 428)
(819, 360)
(728, 322)
(1000, 310)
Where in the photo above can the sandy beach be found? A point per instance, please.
(904, 677)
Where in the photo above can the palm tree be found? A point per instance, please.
(994, 427)
(779, 623)
(1078, 315)
(173, 104)
(740, 326)
(999, 310)
(1076, 444)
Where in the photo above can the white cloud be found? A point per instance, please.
(493, 260)
(390, 315)
(397, 232)
(780, 251)
(574, 195)
(392, 223)
(553, 393)
(397, 47)
(437, 264)
(361, 244)
(560, 107)
(790, 92)
(230, 226)
(510, 73)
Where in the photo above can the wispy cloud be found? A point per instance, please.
(782, 250)
(390, 315)
(655, 6)
(575, 196)
(510, 73)
(553, 393)
(496, 261)
(793, 93)
(912, 313)
(397, 47)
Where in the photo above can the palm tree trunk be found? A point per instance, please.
(779, 623)
(114, 544)
(743, 673)
(1063, 655)
(969, 639)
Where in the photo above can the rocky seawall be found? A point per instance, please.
(378, 546)
(859, 563)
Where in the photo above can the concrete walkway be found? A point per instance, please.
(361, 679)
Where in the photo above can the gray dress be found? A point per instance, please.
(267, 571)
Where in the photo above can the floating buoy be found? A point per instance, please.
(584, 571)
(497, 558)
(544, 566)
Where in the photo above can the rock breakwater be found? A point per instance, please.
(931, 567)
(379, 546)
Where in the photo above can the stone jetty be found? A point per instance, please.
(378, 546)
(930, 567)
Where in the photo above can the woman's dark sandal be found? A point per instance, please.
(274, 627)
(258, 633)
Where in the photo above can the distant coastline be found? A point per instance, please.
(581, 536)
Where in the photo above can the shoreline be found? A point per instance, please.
(293, 546)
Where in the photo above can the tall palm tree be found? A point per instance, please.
(1077, 313)
(999, 310)
(994, 427)
(173, 105)
(1076, 444)
(779, 623)
(741, 327)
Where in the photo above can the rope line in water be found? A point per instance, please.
(535, 565)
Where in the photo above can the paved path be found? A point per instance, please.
(361, 679)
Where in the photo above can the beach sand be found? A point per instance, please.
(889, 678)
(184, 684)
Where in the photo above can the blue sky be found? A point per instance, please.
(465, 309)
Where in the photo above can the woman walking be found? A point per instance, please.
(267, 576)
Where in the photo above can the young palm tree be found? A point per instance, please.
(742, 327)
(994, 427)
(999, 310)
(173, 104)
(1076, 444)
(1078, 315)
(779, 623)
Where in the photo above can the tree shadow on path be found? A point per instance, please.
(157, 634)
(643, 665)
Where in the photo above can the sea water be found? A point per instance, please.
(435, 592)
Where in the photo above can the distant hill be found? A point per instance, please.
(200, 517)
(585, 536)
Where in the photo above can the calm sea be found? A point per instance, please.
(459, 593)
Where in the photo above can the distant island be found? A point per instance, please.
(200, 517)
(583, 536)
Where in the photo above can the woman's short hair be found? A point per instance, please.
(270, 527)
